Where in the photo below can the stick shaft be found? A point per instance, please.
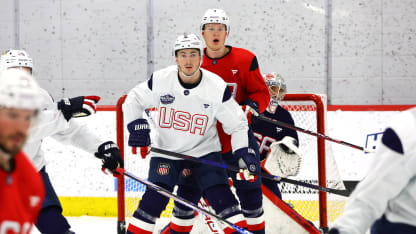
(183, 201)
(283, 124)
(345, 193)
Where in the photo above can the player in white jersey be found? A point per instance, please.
(385, 199)
(189, 101)
(55, 120)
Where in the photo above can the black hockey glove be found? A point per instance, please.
(109, 153)
(78, 106)
(248, 163)
(139, 130)
(333, 231)
(250, 108)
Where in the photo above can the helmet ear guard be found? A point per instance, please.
(215, 16)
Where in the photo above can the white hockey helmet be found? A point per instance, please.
(215, 16)
(276, 85)
(18, 89)
(15, 58)
(187, 41)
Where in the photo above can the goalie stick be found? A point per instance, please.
(183, 201)
(283, 124)
(344, 192)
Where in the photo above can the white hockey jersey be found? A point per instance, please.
(186, 118)
(389, 187)
(51, 122)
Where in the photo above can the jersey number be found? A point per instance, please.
(8, 226)
(183, 121)
(264, 142)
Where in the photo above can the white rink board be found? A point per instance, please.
(76, 173)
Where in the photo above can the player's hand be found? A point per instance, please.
(248, 164)
(109, 153)
(78, 106)
(250, 108)
(139, 136)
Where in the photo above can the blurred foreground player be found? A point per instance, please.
(385, 200)
(55, 120)
(21, 187)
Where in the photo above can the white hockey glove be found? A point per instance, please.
(284, 158)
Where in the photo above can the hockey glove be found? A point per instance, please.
(109, 153)
(248, 164)
(78, 106)
(284, 158)
(139, 136)
(250, 108)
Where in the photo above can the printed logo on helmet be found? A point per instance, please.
(167, 99)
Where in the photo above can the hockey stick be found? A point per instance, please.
(283, 124)
(344, 192)
(183, 201)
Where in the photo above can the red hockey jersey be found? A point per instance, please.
(239, 69)
(21, 196)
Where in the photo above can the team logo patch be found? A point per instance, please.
(167, 99)
(234, 72)
(163, 169)
(278, 129)
(186, 172)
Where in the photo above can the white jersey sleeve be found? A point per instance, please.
(234, 122)
(79, 135)
(390, 186)
(138, 99)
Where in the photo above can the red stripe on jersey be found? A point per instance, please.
(180, 228)
(242, 224)
(256, 227)
(136, 230)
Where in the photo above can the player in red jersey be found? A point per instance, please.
(21, 186)
(240, 70)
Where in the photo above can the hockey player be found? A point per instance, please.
(385, 199)
(278, 145)
(55, 119)
(239, 69)
(21, 188)
(190, 100)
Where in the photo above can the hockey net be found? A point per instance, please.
(308, 112)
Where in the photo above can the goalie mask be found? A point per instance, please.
(276, 85)
(16, 58)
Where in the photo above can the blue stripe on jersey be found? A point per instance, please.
(150, 82)
(391, 140)
(227, 94)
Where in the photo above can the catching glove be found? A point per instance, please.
(248, 164)
(139, 136)
(250, 108)
(284, 158)
(109, 153)
(78, 106)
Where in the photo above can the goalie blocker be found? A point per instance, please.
(284, 158)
